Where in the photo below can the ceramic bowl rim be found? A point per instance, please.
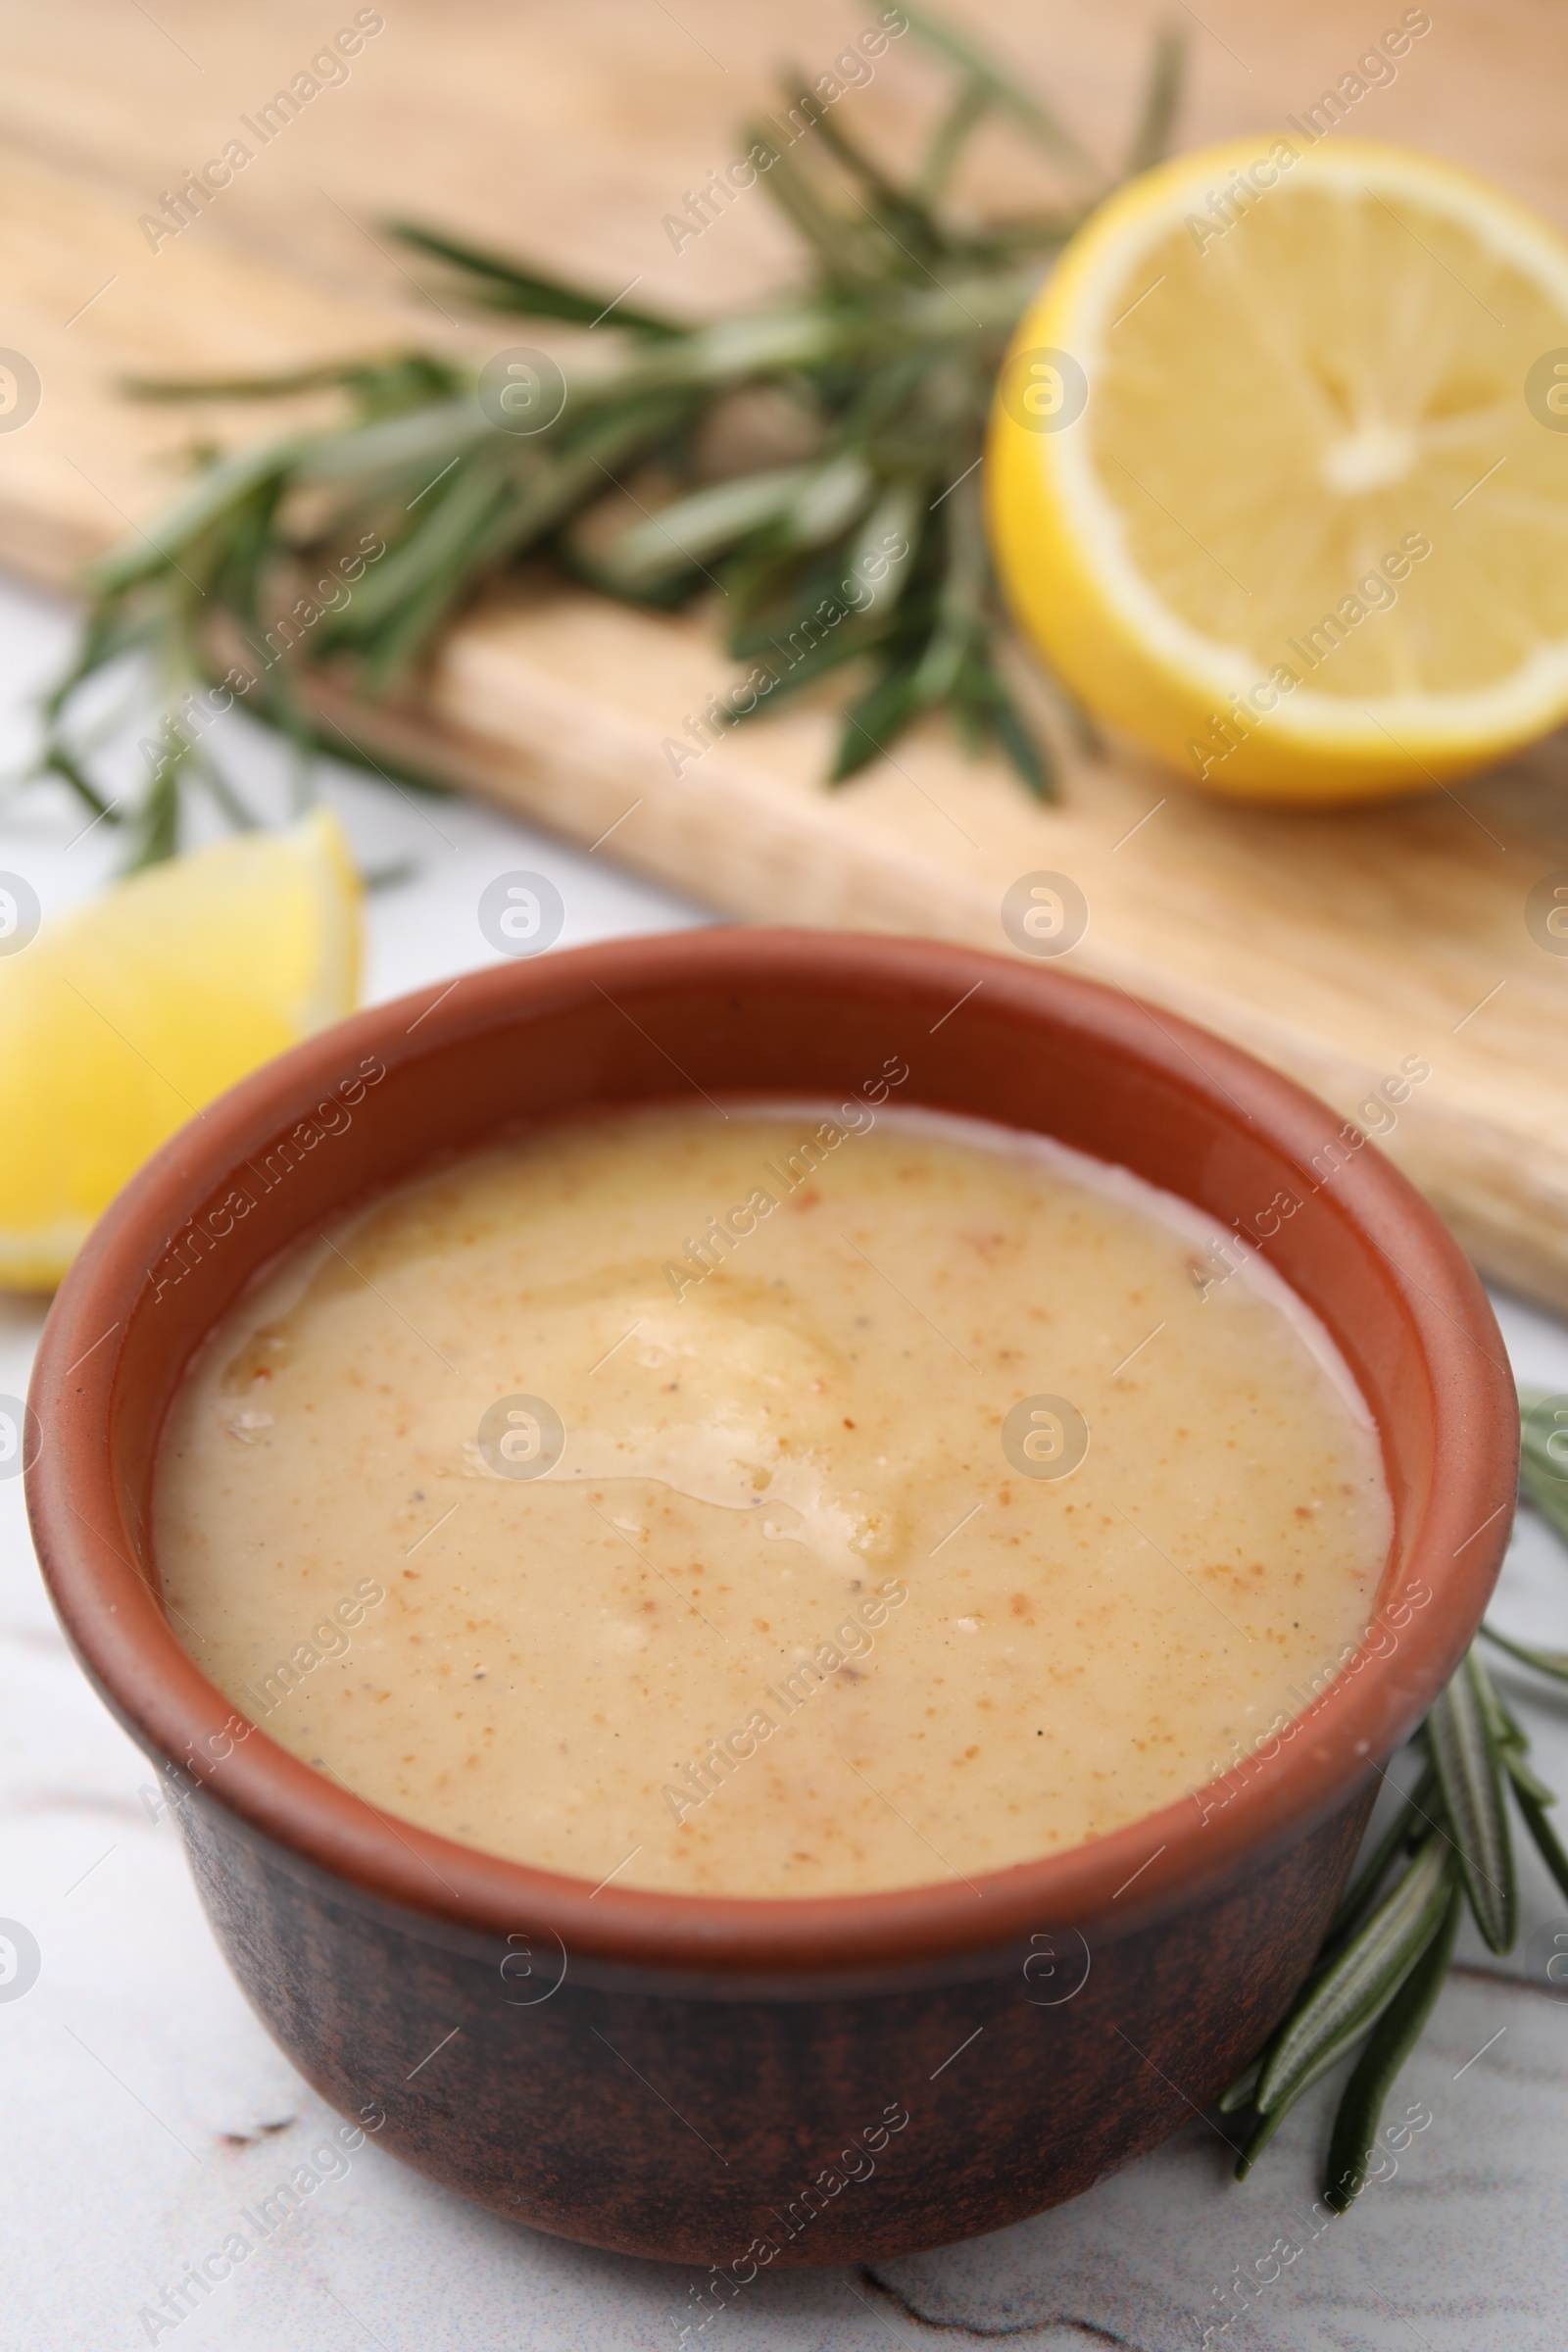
(130, 1651)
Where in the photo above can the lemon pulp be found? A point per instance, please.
(120, 1019)
(1307, 536)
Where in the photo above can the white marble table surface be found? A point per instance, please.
(144, 2105)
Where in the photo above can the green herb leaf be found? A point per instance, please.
(1394, 2036)
(1379, 1979)
(1413, 1818)
(334, 374)
(878, 719)
(151, 554)
(1326, 2058)
(1527, 1793)
(60, 763)
(1239, 2094)
(1160, 101)
(1544, 1456)
(156, 834)
(899, 211)
(1354, 1988)
(968, 109)
(1464, 1751)
(1005, 92)
(691, 530)
(507, 285)
(1545, 1661)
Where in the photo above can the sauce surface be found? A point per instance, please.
(771, 1501)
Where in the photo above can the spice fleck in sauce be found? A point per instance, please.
(672, 1496)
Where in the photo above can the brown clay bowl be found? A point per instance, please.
(739, 2083)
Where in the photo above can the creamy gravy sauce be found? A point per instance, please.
(671, 1495)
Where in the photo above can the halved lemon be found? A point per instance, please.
(123, 1018)
(1278, 468)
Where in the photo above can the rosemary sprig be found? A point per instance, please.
(1385, 1956)
(1544, 1456)
(865, 549)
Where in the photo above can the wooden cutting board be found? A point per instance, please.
(1339, 948)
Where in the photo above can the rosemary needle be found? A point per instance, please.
(1380, 1969)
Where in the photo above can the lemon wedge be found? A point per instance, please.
(120, 1019)
(1278, 468)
